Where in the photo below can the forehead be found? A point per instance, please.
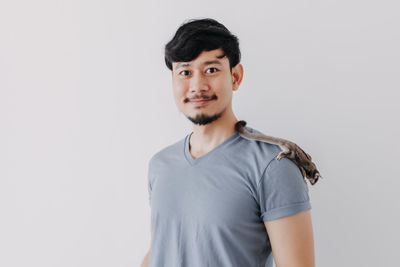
(216, 56)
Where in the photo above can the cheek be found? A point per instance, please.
(222, 87)
(224, 82)
(179, 93)
(179, 86)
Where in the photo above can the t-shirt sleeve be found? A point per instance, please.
(282, 191)
(149, 179)
(149, 188)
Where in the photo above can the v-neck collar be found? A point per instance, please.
(195, 161)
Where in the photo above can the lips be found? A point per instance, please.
(198, 102)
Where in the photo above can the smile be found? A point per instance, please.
(199, 102)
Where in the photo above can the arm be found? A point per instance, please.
(292, 240)
(145, 261)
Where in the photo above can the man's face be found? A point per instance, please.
(206, 77)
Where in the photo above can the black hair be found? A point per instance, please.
(197, 35)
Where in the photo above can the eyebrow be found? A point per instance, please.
(205, 63)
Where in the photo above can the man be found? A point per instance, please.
(218, 199)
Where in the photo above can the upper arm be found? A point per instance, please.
(292, 240)
(285, 208)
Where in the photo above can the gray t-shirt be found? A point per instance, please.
(210, 211)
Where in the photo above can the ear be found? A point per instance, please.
(237, 76)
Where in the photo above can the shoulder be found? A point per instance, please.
(253, 155)
(168, 153)
(262, 149)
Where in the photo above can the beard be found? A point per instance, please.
(203, 119)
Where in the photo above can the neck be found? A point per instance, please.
(205, 137)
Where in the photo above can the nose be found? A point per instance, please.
(198, 83)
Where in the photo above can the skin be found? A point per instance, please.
(213, 122)
(292, 240)
(145, 261)
(291, 236)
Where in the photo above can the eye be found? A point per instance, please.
(213, 69)
(183, 72)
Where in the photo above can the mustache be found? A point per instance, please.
(201, 97)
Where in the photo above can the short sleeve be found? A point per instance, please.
(282, 191)
(149, 188)
(149, 179)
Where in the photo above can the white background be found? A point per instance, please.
(86, 100)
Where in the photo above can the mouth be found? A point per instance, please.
(199, 102)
